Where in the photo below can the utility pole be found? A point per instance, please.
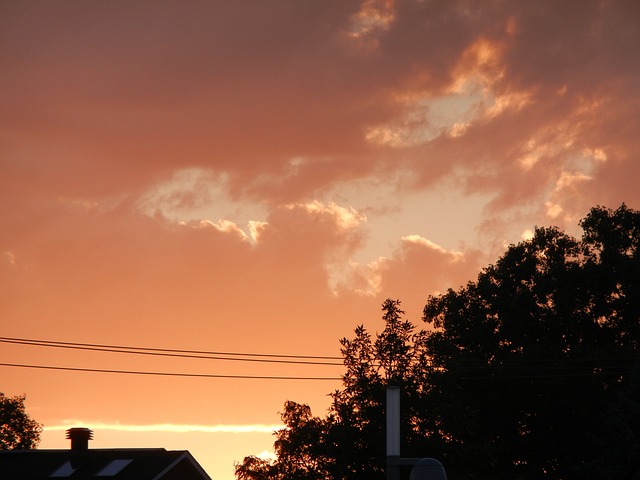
(393, 433)
(423, 468)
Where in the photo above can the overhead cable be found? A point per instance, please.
(165, 352)
(164, 374)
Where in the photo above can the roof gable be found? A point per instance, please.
(117, 464)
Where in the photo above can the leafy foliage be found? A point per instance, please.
(17, 429)
(530, 372)
(543, 352)
(349, 442)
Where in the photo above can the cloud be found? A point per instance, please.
(166, 427)
(267, 455)
(345, 218)
(418, 268)
(116, 107)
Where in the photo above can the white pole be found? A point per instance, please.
(393, 421)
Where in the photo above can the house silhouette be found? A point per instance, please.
(82, 463)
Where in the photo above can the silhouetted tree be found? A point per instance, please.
(349, 443)
(17, 429)
(530, 372)
(541, 353)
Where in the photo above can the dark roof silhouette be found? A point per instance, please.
(94, 464)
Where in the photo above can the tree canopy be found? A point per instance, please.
(529, 372)
(17, 429)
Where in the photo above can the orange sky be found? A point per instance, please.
(256, 176)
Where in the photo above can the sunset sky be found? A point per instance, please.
(258, 176)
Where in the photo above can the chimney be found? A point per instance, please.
(79, 438)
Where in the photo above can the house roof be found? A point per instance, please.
(96, 464)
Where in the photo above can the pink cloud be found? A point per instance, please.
(417, 269)
(99, 101)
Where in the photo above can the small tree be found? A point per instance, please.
(349, 443)
(17, 429)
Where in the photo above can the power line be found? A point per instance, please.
(275, 377)
(476, 369)
(164, 352)
(164, 374)
(171, 350)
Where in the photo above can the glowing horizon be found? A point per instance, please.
(164, 427)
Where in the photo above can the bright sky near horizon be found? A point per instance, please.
(258, 176)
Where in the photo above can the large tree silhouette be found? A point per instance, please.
(541, 356)
(530, 372)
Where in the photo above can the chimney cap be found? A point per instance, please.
(79, 437)
(80, 432)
